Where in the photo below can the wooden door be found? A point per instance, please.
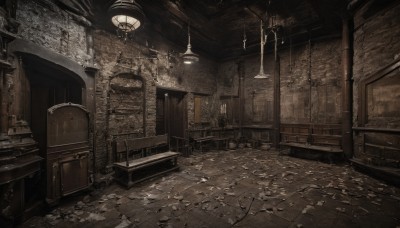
(176, 115)
(160, 115)
(171, 113)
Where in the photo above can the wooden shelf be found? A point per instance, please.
(258, 126)
(313, 147)
(382, 147)
(372, 129)
(294, 133)
(328, 136)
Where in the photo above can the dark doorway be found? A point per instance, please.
(171, 115)
(49, 86)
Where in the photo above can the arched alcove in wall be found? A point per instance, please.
(49, 85)
(127, 102)
(46, 78)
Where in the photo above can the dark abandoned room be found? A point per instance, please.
(200, 113)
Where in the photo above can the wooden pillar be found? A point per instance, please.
(3, 104)
(347, 95)
(167, 120)
(241, 95)
(277, 103)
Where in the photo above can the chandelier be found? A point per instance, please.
(127, 16)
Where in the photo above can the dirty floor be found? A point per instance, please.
(241, 188)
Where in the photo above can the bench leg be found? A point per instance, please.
(189, 150)
(129, 182)
(330, 158)
(291, 151)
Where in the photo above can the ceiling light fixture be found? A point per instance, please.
(127, 16)
(263, 41)
(189, 57)
(244, 34)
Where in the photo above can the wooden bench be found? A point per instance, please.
(223, 140)
(183, 146)
(223, 135)
(315, 138)
(202, 140)
(199, 137)
(131, 169)
(257, 134)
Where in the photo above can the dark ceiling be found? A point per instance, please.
(217, 26)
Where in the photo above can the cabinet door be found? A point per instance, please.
(53, 181)
(74, 173)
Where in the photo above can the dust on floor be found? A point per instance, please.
(241, 188)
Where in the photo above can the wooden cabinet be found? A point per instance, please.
(67, 151)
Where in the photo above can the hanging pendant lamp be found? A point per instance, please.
(126, 15)
(189, 57)
(263, 41)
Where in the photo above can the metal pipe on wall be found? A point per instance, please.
(347, 133)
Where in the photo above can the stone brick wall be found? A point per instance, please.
(53, 32)
(228, 85)
(302, 100)
(110, 98)
(310, 91)
(258, 93)
(127, 104)
(228, 78)
(197, 78)
(376, 45)
(45, 24)
(119, 103)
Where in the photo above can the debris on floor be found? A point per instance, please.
(241, 188)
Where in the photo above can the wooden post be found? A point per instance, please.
(3, 104)
(277, 103)
(166, 115)
(241, 96)
(347, 133)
